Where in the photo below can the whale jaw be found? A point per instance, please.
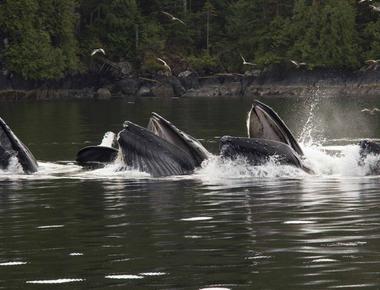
(11, 146)
(142, 150)
(264, 123)
(166, 130)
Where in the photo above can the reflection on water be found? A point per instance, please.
(228, 226)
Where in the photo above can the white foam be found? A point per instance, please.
(150, 274)
(225, 170)
(50, 227)
(54, 281)
(108, 139)
(335, 161)
(124, 277)
(76, 254)
(14, 263)
(198, 218)
(298, 222)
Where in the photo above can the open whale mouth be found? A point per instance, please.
(264, 123)
(146, 151)
(167, 131)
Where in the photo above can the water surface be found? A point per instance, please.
(228, 226)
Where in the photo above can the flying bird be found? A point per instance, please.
(96, 50)
(375, 8)
(372, 64)
(246, 62)
(298, 64)
(370, 111)
(173, 18)
(164, 63)
(372, 61)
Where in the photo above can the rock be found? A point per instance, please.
(189, 80)
(144, 91)
(125, 67)
(178, 89)
(128, 86)
(164, 90)
(184, 74)
(103, 94)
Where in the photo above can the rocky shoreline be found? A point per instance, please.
(275, 82)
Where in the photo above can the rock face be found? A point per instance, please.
(144, 91)
(164, 90)
(275, 81)
(128, 86)
(103, 94)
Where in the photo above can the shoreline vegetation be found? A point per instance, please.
(64, 49)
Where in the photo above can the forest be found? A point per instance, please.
(50, 39)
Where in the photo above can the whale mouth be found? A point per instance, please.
(264, 123)
(145, 151)
(167, 131)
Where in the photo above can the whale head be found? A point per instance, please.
(264, 123)
(166, 130)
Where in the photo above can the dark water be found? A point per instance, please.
(226, 227)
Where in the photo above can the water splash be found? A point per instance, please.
(108, 139)
(220, 169)
(14, 167)
(312, 132)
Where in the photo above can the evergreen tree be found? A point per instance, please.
(45, 40)
(41, 37)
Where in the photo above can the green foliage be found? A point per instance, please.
(51, 38)
(42, 44)
(203, 62)
(372, 30)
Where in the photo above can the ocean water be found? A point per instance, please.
(227, 226)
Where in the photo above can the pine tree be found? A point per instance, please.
(41, 37)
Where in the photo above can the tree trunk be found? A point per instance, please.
(184, 7)
(208, 32)
(137, 35)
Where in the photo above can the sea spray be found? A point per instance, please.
(312, 132)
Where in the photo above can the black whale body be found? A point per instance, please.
(141, 149)
(11, 146)
(258, 151)
(96, 156)
(161, 149)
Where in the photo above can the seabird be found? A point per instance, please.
(375, 8)
(246, 62)
(164, 63)
(298, 64)
(96, 50)
(370, 111)
(173, 18)
(372, 61)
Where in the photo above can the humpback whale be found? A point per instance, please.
(264, 123)
(268, 137)
(12, 147)
(161, 149)
(145, 151)
(100, 155)
(166, 130)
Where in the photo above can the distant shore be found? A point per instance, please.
(276, 82)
